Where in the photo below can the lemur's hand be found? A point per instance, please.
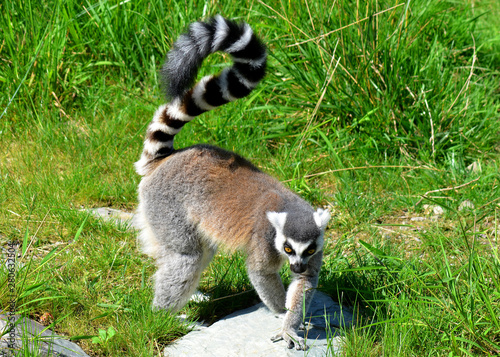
(291, 338)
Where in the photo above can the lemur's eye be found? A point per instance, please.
(288, 250)
(311, 251)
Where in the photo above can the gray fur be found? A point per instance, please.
(202, 39)
(301, 226)
(270, 289)
(180, 198)
(179, 72)
(301, 289)
(193, 200)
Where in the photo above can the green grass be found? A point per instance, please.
(368, 106)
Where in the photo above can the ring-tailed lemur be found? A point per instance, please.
(194, 199)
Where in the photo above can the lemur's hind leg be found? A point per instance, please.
(177, 277)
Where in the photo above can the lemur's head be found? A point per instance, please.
(299, 235)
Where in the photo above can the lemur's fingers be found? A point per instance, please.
(292, 340)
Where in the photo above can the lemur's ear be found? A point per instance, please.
(277, 219)
(321, 217)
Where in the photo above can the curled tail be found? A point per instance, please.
(179, 72)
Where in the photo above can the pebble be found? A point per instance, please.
(466, 205)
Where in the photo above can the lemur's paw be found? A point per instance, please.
(291, 338)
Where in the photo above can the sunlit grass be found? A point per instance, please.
(367, 107)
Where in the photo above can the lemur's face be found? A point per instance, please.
(298, 254)
(298, 237)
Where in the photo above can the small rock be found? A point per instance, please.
(417, 219)
(198, 296)
(437, 210)
(466, 205)
(475, 167)
(115, 215)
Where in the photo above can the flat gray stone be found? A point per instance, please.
(33, 336)
(248, 333)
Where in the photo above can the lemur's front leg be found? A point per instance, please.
(298, 297)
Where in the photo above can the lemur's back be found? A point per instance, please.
(218, 192)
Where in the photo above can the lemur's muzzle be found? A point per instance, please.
(298, 268)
